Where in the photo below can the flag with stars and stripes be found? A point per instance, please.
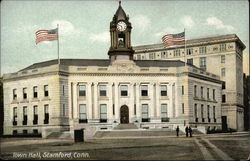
(46, 35)
(174, 39)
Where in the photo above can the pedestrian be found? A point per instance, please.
(190, 131)
(186, 130)
(177, 131)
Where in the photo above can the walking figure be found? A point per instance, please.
(190, 131)
(186, 130)
(177, 131)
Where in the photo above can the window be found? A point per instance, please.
(35, 114)
(14, 116)
(103, 90)
(182, 90)
(214, 116)
(134, 109)
(224, 85)
(103, 113)
(190, 51)
(63, 110)
(222, 47)
(208, 93)
(177, 52)
(223, 72)
(164, 113)
(113, 109)
(203, 63)
(183, 110)
(144, 90)
(145, 113)
(201, 92)
(24, 93)
(195, 90)
(14, 94)
(35, 131)
(163, 90)
(82, 113)
(164, 54)
(202, 113)
(190, 61)
(222, 59)
(25, 117)
(195, 113)
(82, 90)
(213, 94)
(63, 90)
(124, 90)
(203, 50)
(223, 98)
(151, 55)
(208, 113)
(35, 92)
(46, 91)
(46, 114)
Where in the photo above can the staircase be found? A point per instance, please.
(126, 126)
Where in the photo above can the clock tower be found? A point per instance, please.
(120, 32)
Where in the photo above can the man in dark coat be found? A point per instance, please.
(177, 131)
(186, 130)
(190, 131)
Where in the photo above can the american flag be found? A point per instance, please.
(174, 39)
(46, 35)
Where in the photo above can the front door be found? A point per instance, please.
(224, 123)
(124, 115)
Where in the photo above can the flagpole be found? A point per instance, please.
(185, 47)
(58, 44)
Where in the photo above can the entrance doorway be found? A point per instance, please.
(124, 114)
(224, 123)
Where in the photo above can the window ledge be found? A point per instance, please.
(24, 101)
(35, 100)
(164, 97)
(145, 98)
(103, 98)
(82, 97)
(14, 102)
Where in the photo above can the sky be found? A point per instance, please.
(84, 26)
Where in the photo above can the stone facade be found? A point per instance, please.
(220, 55)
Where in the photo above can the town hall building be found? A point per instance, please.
(98, 94)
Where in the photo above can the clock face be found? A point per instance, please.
(121, 26)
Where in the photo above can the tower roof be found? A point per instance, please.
(120, 14)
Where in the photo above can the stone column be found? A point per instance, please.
(89, 100)
(131, 100)
(117, 108)
(110, 104)
(75, 103)
(152, 100)
(70, 94)
(96, 94)
(177, 100)
(157, 101)
(138, 106)
(171, 101)
(175, 104)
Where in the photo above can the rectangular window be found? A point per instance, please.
(203, 65)
(224, 85)
(63, 90)
(35, 92)
(103, 113)
(177, 52)
(164, 113)
(213, 94)
(124, 90)
(208, 113)
(113, 109)
(190, 61)
(14, 116)
(63, 110)
(82, 113)
(190, 51)
(145, 113)
(208, 93)
(214, 116)
(25, 116)
(24, 93)
(201, 92)
(195, 90)
(134, 109)
(35, 114)
(103, 90)
(183, 110)
(202, 113)
(14, 94)
(222, 47)
(223, 72)
(82, 90)
(46, 91)
(203, 50)
(182, 90)
(151, 55)
(223, 59)
(46, 114)
(164, 54)
(223, 98)
(144, 90)
(195, 113)
(163, 90)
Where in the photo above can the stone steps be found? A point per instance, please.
(126, 126)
